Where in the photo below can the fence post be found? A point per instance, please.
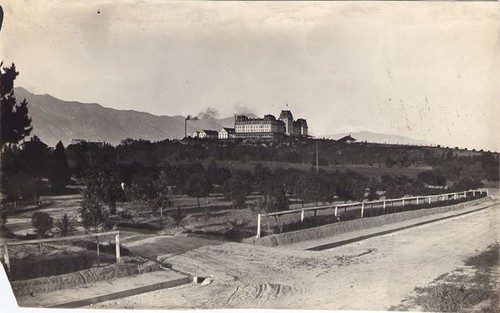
(98, 254)
(258, 226)
(161, 218)
(383, 206)
(486, 192)
(117, 245)
(403, 203)
(336, 207)
(430, 199)
(417, 200)
(465, 194)
(362, 208)
(473, 193)
(455, 196)
(302, 215)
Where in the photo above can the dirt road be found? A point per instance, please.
(371, 275)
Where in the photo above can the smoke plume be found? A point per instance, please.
(243, 109)
(209, 113)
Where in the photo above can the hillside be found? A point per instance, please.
(54, 119)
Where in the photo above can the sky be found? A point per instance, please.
(425, 70)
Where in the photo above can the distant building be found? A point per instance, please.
(269, 126)
(287, 118)
(347, 139)
(226, 133)
(302, 127)
(254, 127)
(84, 141)
(208, 134)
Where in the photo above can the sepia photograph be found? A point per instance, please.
(227, 155)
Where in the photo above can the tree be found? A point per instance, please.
(217, 175)
(93, 211)
(65, 225)
(104, 187)
(467, 184)
(20, 186)
(490, 165)
(432, 178)
(59, 173)
(5, 210)
(198, 186)
(236, 190)
(351, 186)
(156, 193)
(275, 200)
(15, 123)
(34, 157)
(300, 188)
(262, 177)
(43, 223)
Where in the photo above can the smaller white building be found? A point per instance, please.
(196, 134)
(208, 134)
(226, 133)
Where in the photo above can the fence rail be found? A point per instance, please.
(6, 244)
(367, 205)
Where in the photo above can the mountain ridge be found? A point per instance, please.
(54, 119)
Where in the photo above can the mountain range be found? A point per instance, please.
(54, 119)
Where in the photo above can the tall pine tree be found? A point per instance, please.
(15, 123)
(59, 173)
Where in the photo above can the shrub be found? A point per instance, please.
(138, 225)
(65, 225)
(126, 214)
(42, 222)
(49, 265)
(178, 217)
(309, 222)
(237, 224)
(236, 235)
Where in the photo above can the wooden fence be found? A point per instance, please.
(366, 205)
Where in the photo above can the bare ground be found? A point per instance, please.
(374, 274)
